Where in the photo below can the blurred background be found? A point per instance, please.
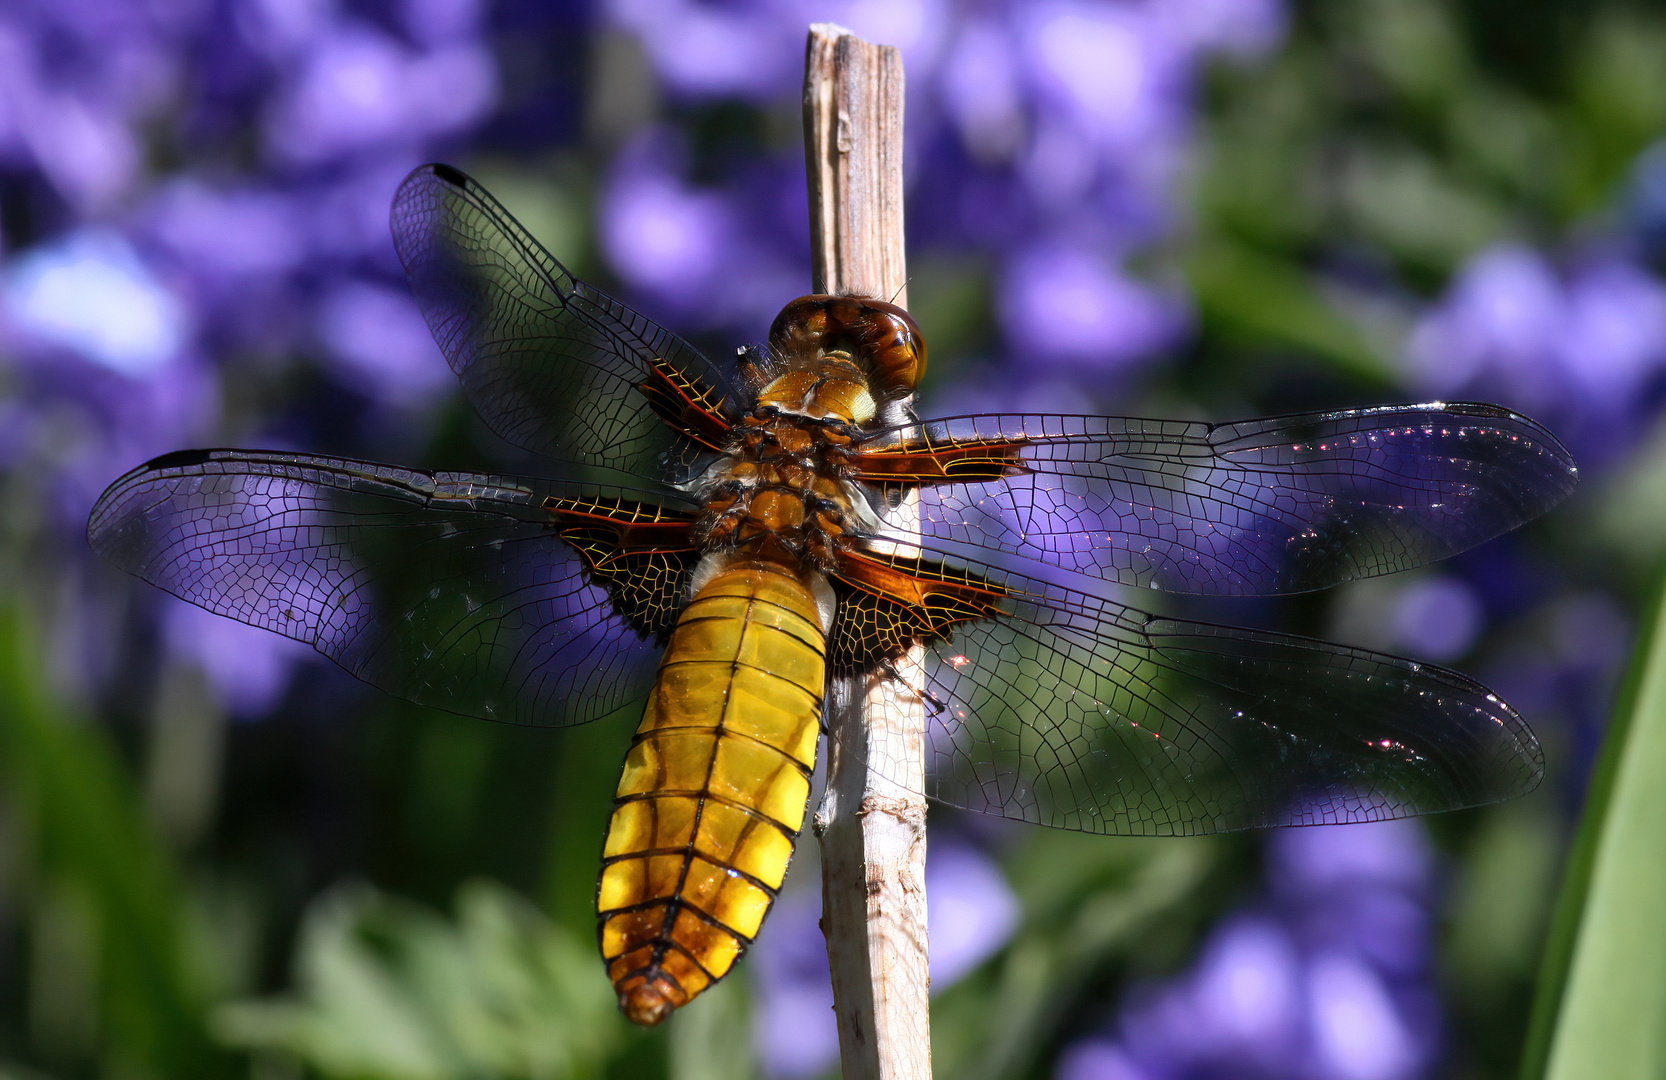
(220, 856)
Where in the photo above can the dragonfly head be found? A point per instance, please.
(882, 338)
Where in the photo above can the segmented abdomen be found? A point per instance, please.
(714, 788)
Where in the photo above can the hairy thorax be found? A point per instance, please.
(786, 492)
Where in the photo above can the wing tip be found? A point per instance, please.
(410, 187)
(98, 518)
(448, 173)
(178, 459)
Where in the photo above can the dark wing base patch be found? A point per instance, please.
(641, 553)
(889, 602)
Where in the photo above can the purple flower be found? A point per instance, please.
(1512, 327)
(1320, 860)
(349, 218)
(247, 667)
(358, 89)
(110, 328)
(1616, 329)
(1097, 1059)
(705, 50)
(753, 50)
(792, 1027)
(1437, 617)
(228, 238)
(1105, 70)
(442, 22)
(1328, 978)
(1501, 312)
(970, 910)
(383, 343)
(73, 122)
(717, 256)
(90, 293)
(1358, 1033)
(1072, 307)
(1646, 202)
(982, 92)
(1242, 28)
(660, 234)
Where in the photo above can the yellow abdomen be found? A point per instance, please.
(714, 787)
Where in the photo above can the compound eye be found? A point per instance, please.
(896, 348)
(882, 337)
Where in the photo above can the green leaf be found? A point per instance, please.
(1601, 1005)
(392, 991)
(103, 884)
(1259, 300)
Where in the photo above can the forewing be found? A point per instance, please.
(550, 363)
(1080, 713)
(451, 589)
(1253, 508)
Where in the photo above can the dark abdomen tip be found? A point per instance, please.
(648, 1002)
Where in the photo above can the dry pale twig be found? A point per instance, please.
(872, 830)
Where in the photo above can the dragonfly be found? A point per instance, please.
(712, 541)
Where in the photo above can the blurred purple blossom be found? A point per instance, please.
(749, 51)
(754, 50)
(981, 91)
(1565, 668)
(104, 361)
(971, 912)
(228, 237)
(1071, 307)
(90, 293)
(707, 256)
(115, 328)
(1573, 347)
(1645, 207)
(1437, 618)
(661, 234)
(247, 667)
(71, 116)
(1241, 28)
(1107, 71)
(383, 342)
(87, 423)
(358, 90)
(1079, 115)
(1328, 977)
(792, 1017)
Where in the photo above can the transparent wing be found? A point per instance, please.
(550, 363)
(1067, 710)
(450, 589)
(1258, 507)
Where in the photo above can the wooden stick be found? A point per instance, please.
(872, 820)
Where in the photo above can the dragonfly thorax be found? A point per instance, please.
(785, 493)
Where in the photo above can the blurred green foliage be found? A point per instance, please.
(1383, 136)
(390, 989)
(1094, 909)
(109, 971)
